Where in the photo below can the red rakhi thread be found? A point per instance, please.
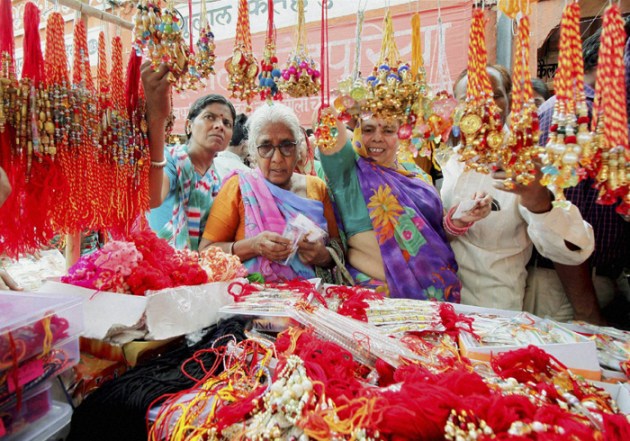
(610, 120)
(569, 141)
(482, 135)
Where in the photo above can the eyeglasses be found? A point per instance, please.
(287, 148)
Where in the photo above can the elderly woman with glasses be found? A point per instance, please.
(252, 209)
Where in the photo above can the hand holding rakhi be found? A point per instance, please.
(535, 197)
(157, 90)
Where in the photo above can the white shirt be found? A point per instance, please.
(492, 255)
(226, 161)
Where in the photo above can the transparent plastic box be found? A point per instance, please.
(35, 404)
(31, 324)
(53, 426)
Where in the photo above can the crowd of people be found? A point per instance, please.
(239, 181)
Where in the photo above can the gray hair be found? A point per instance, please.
(270, 114)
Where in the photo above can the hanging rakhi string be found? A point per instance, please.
(522, 146)
(242, 67)
(357, 42)
(205, 57)
(325, 80)
(326, 131)
(569, 139)
(610, 117)
(480, 124)
(352, 90)
(269, 72)
(389, 51)
(190, 28)
(300, 77)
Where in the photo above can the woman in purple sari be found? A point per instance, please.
(393, 219)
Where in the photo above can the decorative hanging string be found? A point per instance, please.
(137, 185)
(511, 8)
(611, 163)
(242, 66)
(57, 78)
(42, 171)
(421, 107)
(569, 138)
(357, 40)
(190, 28)
(480, 124)
(300, 77)
(81, 208)
(324, 60)
(205, 56)
(352, 89)
(326, 131)
(158, 33)
(430, 131)
(417, 63)
(391, 89)
(269, 72)
(389, 51)
(522, 146)
(10, 161)
(106, 127)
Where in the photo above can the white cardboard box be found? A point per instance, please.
(120, 318)
(580, 358)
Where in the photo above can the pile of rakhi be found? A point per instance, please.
(149, 263)
(309, 383)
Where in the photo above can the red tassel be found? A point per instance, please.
(37, 229)
(132, 86)
(33, 60)
(13, 164)
(7, 41)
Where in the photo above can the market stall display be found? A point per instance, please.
(204, 350)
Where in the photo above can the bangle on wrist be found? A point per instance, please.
(232, 247)
(158, 164)
(453, 229)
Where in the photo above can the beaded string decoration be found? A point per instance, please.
(480, 123)
(430, 133)
(10, 160)
(569, 138)
(57, 77)
(158, 32)
(522, 145)
(352, 90)
(82, 207)
(269, 72)
(300, 77)
(611, 162)
(242, 66)
(121, 148)
(326, 131)
(138, 183)
(41, 169)
(392, 88)
(106, 123)
(205, 57)
(420, 108)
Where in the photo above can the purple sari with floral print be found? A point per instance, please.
(406, 214)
